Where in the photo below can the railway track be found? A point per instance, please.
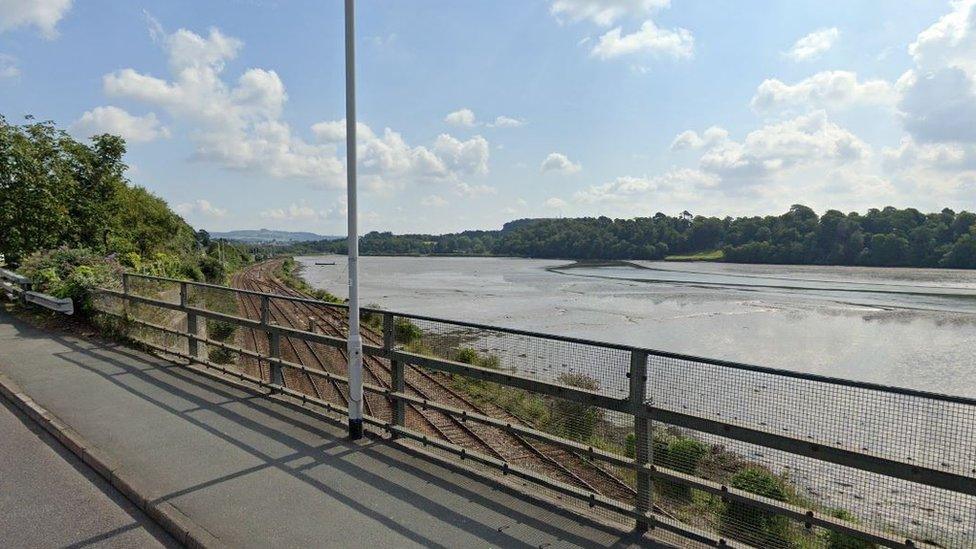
(554, 461)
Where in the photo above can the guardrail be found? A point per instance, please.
(717, 452)
(19, 287)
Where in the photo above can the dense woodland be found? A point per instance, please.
(69, 219)
(886, 237)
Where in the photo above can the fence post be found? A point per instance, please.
(193, 346)
(125, 292)
(274, 342)
(397, 374)
(643, 439)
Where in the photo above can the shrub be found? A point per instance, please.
(407, 332)
(213, 270)
(471, 356)
(132, 260)
(574, 419)
(220, 330)
(371, 319)
(219, 355)
(840, 540)
(630, 445)
(71, 273)
(685, 453)
(747, 522)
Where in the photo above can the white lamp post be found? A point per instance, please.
(355, 345)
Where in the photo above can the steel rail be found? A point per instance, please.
(372, 363)
(276, 361)
(294, 348)
(245, 301)
(370, 367)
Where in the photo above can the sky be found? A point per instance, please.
(476, 112)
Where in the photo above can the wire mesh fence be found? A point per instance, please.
(575, 450)
(922, 430)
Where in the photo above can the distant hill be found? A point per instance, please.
(268, 236)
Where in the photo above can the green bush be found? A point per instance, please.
(685, 453)
(630, 445)
(471, 356)
(219, 355)
(220, 330)
(213, 270)
(71, 273)
(373, 320)
(574, 419)
(747, 522)
(840, 540)
(407, 332)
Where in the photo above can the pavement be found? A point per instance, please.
(50, 498)
(236, 468)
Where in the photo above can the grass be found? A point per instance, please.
(710, 255)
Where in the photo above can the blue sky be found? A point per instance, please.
(478, 112)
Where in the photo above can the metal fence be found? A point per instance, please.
(19, 288)
(716, 452)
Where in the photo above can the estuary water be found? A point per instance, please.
(912, 328)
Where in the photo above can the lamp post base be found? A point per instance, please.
(355, 429)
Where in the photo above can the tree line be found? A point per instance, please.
(880, 237)
(70, 220)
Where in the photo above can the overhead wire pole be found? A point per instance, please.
(355, 344)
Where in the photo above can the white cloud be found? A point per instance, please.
(827, 89)
(650, 39)
(627, 189)
(462, 118)
(43, 14)
(803, 141)
(691, 140)
(117, 121)
(200, 208)
(938, 102)
(472, 191)
(239, 124)
(300, 211)
(465, 157)
(950, 41)
(603, 12)
(8, 66)
(388, 162)
(433, 201)
(506, 122)
(559, 163)
(933, 173)
(334, 131)
(814, 44)
(940, 106)
(930, 156)
(555, 203)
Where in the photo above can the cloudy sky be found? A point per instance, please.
(477, 112)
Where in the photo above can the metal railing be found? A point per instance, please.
(715, 451)
(18, 287)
